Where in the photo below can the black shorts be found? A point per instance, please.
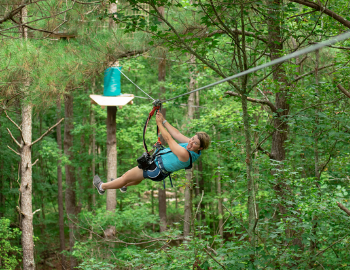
(154, 173)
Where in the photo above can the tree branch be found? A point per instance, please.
(328, 160)
(302, 60)
(32, 165)
(36, 211)
(42, 136)
(319, 7)
(341, 88)
(13, 138)
(334, 47)
(12, 13)
(237, 31)
(309, 73)
(13, 122)
(88, 3)
(264, 151)
(300, 15)
(342, 207)
(14, 151)
(266, 102)
(36, 29)
(211, 256)
(322, 251)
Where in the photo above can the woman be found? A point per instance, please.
(173, 159)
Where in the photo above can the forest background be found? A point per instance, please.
(271, 192)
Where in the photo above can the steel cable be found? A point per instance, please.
(282, 59)
(136, 85)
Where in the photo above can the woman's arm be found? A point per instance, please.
(175, 133)
(178, 150)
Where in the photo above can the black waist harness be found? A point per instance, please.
(145, 161)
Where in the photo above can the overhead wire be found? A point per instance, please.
(282, 59)
(136, 85)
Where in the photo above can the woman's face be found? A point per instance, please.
(194, 144)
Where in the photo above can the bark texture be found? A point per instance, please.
(93, 152)
(189, 173)
(162, 209)
(70, 197)
(275, 44)
(26, 172)
(113, 8)
(26, 189)
(279, 137)
(161, 192)
(2, 197)
(201, 189)
(111, 156)
(188, 203)
(219, 193)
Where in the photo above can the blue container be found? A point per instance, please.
(111, 86)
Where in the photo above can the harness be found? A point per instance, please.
(146, 158)
(162, 168)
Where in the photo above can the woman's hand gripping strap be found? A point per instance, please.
(157, 105)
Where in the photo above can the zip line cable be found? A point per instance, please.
(137, 86)
(141, 97)
(312, 48)
(282, 59)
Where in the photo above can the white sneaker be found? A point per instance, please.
(123, 189)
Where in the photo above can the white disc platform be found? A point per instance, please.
(119, 101)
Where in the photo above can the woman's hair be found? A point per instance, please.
(204, 139)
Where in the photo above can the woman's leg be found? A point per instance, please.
(131, 177)
(134, 183)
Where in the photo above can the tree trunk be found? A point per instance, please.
(251, 205)
(313, 241)
(112, 9)
(70, 197)
(152, 203)
(162, 209)
(275, 43)
(279, 137)
(26, 172)
(201, 189)
(188, 203)
(59, 183)
(220, 209)
(197, 192)
(111, 156)
(161, 192)
(316, 132)
(26, 189)
(42, 176)
(2, 177)
(253, 218)
(93, 152)
(162, 195)
(189, 173)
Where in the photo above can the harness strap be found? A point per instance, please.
(156, 106)
(164, 171)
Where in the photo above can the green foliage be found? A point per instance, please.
(9, 251)
(293, 231)
(92, 264)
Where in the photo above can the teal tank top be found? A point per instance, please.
(172, 163)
